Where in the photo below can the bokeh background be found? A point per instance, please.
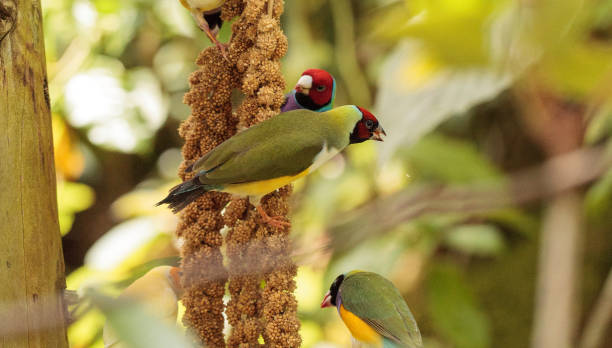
(476, 96)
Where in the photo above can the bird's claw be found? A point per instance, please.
(223, 48)
(274, 221)
(220, 46)
(278, 222)
(212, 36)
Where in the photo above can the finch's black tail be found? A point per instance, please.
(181, 195)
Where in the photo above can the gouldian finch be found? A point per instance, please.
(315, 90)
(373, 310)
(207, 13)
(158, 291)
(274, 153)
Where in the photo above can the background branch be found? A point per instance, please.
(556, 175)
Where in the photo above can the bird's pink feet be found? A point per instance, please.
(213, 38)
(212, 34)
(274, 221)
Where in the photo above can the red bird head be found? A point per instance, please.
(367, 128)
(315, 89)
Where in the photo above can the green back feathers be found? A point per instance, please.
(375, 300)
(284, 145)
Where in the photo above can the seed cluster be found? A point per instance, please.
(260, 270)
(279, 304)
(210, 123)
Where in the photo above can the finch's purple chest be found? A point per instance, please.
(291, 103)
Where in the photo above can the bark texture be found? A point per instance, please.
(31, 261)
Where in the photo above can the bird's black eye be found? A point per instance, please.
(369, 124)
(320, 88)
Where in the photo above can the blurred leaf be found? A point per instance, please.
(177, 19)
(516, 219)
(454, 31)
(466, 43)
(141, 270)
(172, 62)
(107, 6)
(598, 199)
(69, 160)
(310, 332)
(79, 276)
(454, 310)
(309, 282)
(437, 157)
(550, 21)
(573, 63)
(327, 196)
(313, 50)
(87, 330)
(378, 255)
(135, 326)
(602, 14)
(129, 244)
(479, 240)
(72, 198)
(89, 321)
(140, 202)
(120, 109)
(600, 126)
(576, 68)
(125, 22)
(417, 93)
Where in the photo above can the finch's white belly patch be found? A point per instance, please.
(323, 156)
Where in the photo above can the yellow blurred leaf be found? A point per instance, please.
(72, 197)
(69, 161)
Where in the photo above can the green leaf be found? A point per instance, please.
(515, 219)
(141, 270)
(87, 329)
(378, 255)
(598, 199)
(600, 125)
(417, 92)
(107, 6)
(72, 198)
(480, 240)
(135, 326)
(445, 159)
(454, 311)
(429, 21)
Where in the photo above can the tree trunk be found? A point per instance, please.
(31, 261)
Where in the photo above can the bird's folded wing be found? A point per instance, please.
(379, 309)
(283, 146)
(268, 160)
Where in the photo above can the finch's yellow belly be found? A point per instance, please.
(359, 328)
(260, 188)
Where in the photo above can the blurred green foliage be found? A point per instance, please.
(454, 309)
(135, 326)
(438, 74)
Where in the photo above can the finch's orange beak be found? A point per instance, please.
(378, 133)
(326, 300)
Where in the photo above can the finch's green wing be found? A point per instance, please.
(377, 301)
(285, 145)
